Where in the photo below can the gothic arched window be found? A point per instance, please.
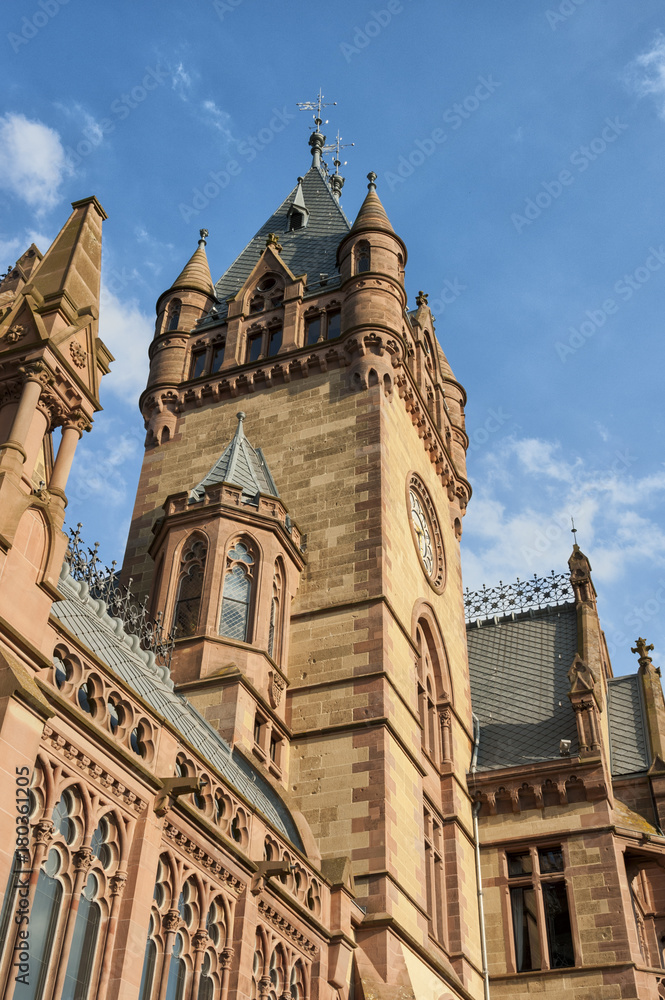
(149, 962)
(362, 256)
(274, 630)
(43, 922)
(173, 315)
(175, 984)
(427, 695)
(84, 943)
(236, 600)
(190, 587)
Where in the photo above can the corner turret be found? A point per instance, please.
(179, 309)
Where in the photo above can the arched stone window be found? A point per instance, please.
(173, 314)
(433, 689)
(427, 695)
(362, 256)
(237, 596)
(275, 627)
(190, 586)
(84, 942)
(47, 903)
(149, 963)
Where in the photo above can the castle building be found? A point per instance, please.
(285, 764)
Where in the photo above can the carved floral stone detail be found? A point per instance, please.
(78, 354)
(15, 333)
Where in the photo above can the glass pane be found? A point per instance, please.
(217, 357)
(186, 616)
(519, 864)
(10, 896)
(313, 330)
(43, 920)
(237, 584)
(255, 347)
(234, 620)
(525, 929)
(82, 951)
(148, 970)
(198, 364)
(334, 328)
(550, 859)
(175, 987)
(559, 934)
(240, 551)
(275, 342)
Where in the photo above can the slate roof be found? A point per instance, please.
(241, 465)
(628, 737)
(86, 618)
(311, 249)
(519, 686)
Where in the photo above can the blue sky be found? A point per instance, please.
(519, 149)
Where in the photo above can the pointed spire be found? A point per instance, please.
(69, 274)
(316, 139)
(196, 273)
(242, 465)
(372, 214)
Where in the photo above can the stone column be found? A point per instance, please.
(116, 885)
(43, 834)
(170, 924)
(199, 945)
(72, 432)
(225, 959)
(36, 376)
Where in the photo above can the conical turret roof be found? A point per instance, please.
(242, 465)
(195, 275)
(372, 215)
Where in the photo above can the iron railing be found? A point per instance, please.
(104, 584)
(523, 595)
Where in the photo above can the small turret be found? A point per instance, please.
(179, 309)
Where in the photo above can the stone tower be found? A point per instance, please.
(298, 517)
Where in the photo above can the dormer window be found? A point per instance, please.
(296, 220)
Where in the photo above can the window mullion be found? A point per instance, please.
(542, 923)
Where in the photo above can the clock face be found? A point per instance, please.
(421, 528)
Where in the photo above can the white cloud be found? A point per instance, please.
(33, 164)
(526, 491)
(127, 332)
(98, 470)
(218, 118)
(11, 247)
(646, 74)
(181, 81)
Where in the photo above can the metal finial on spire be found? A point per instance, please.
(371, 177)
(203, 233)
(573, 531)
(316, 139)
(335, 147)
(241, 415)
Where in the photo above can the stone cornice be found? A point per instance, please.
(204, 858)
(285, 927)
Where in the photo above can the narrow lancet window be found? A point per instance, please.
(190, 588)
(236, 600)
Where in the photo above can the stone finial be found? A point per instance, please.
(272, 240)
(421, 298)
(642, 650)
(204, 234)
(371, 177)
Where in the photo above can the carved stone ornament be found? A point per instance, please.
(43, 832)
(15, 333)
(37, 371)
(78, 354)
(171, 921)
(117, 883)
(200, 940)
(276, 688)
(83, 859)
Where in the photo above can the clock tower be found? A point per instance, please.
(298, 517)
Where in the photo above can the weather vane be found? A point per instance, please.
(316, 106)
(335, 147)
(573, 531)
